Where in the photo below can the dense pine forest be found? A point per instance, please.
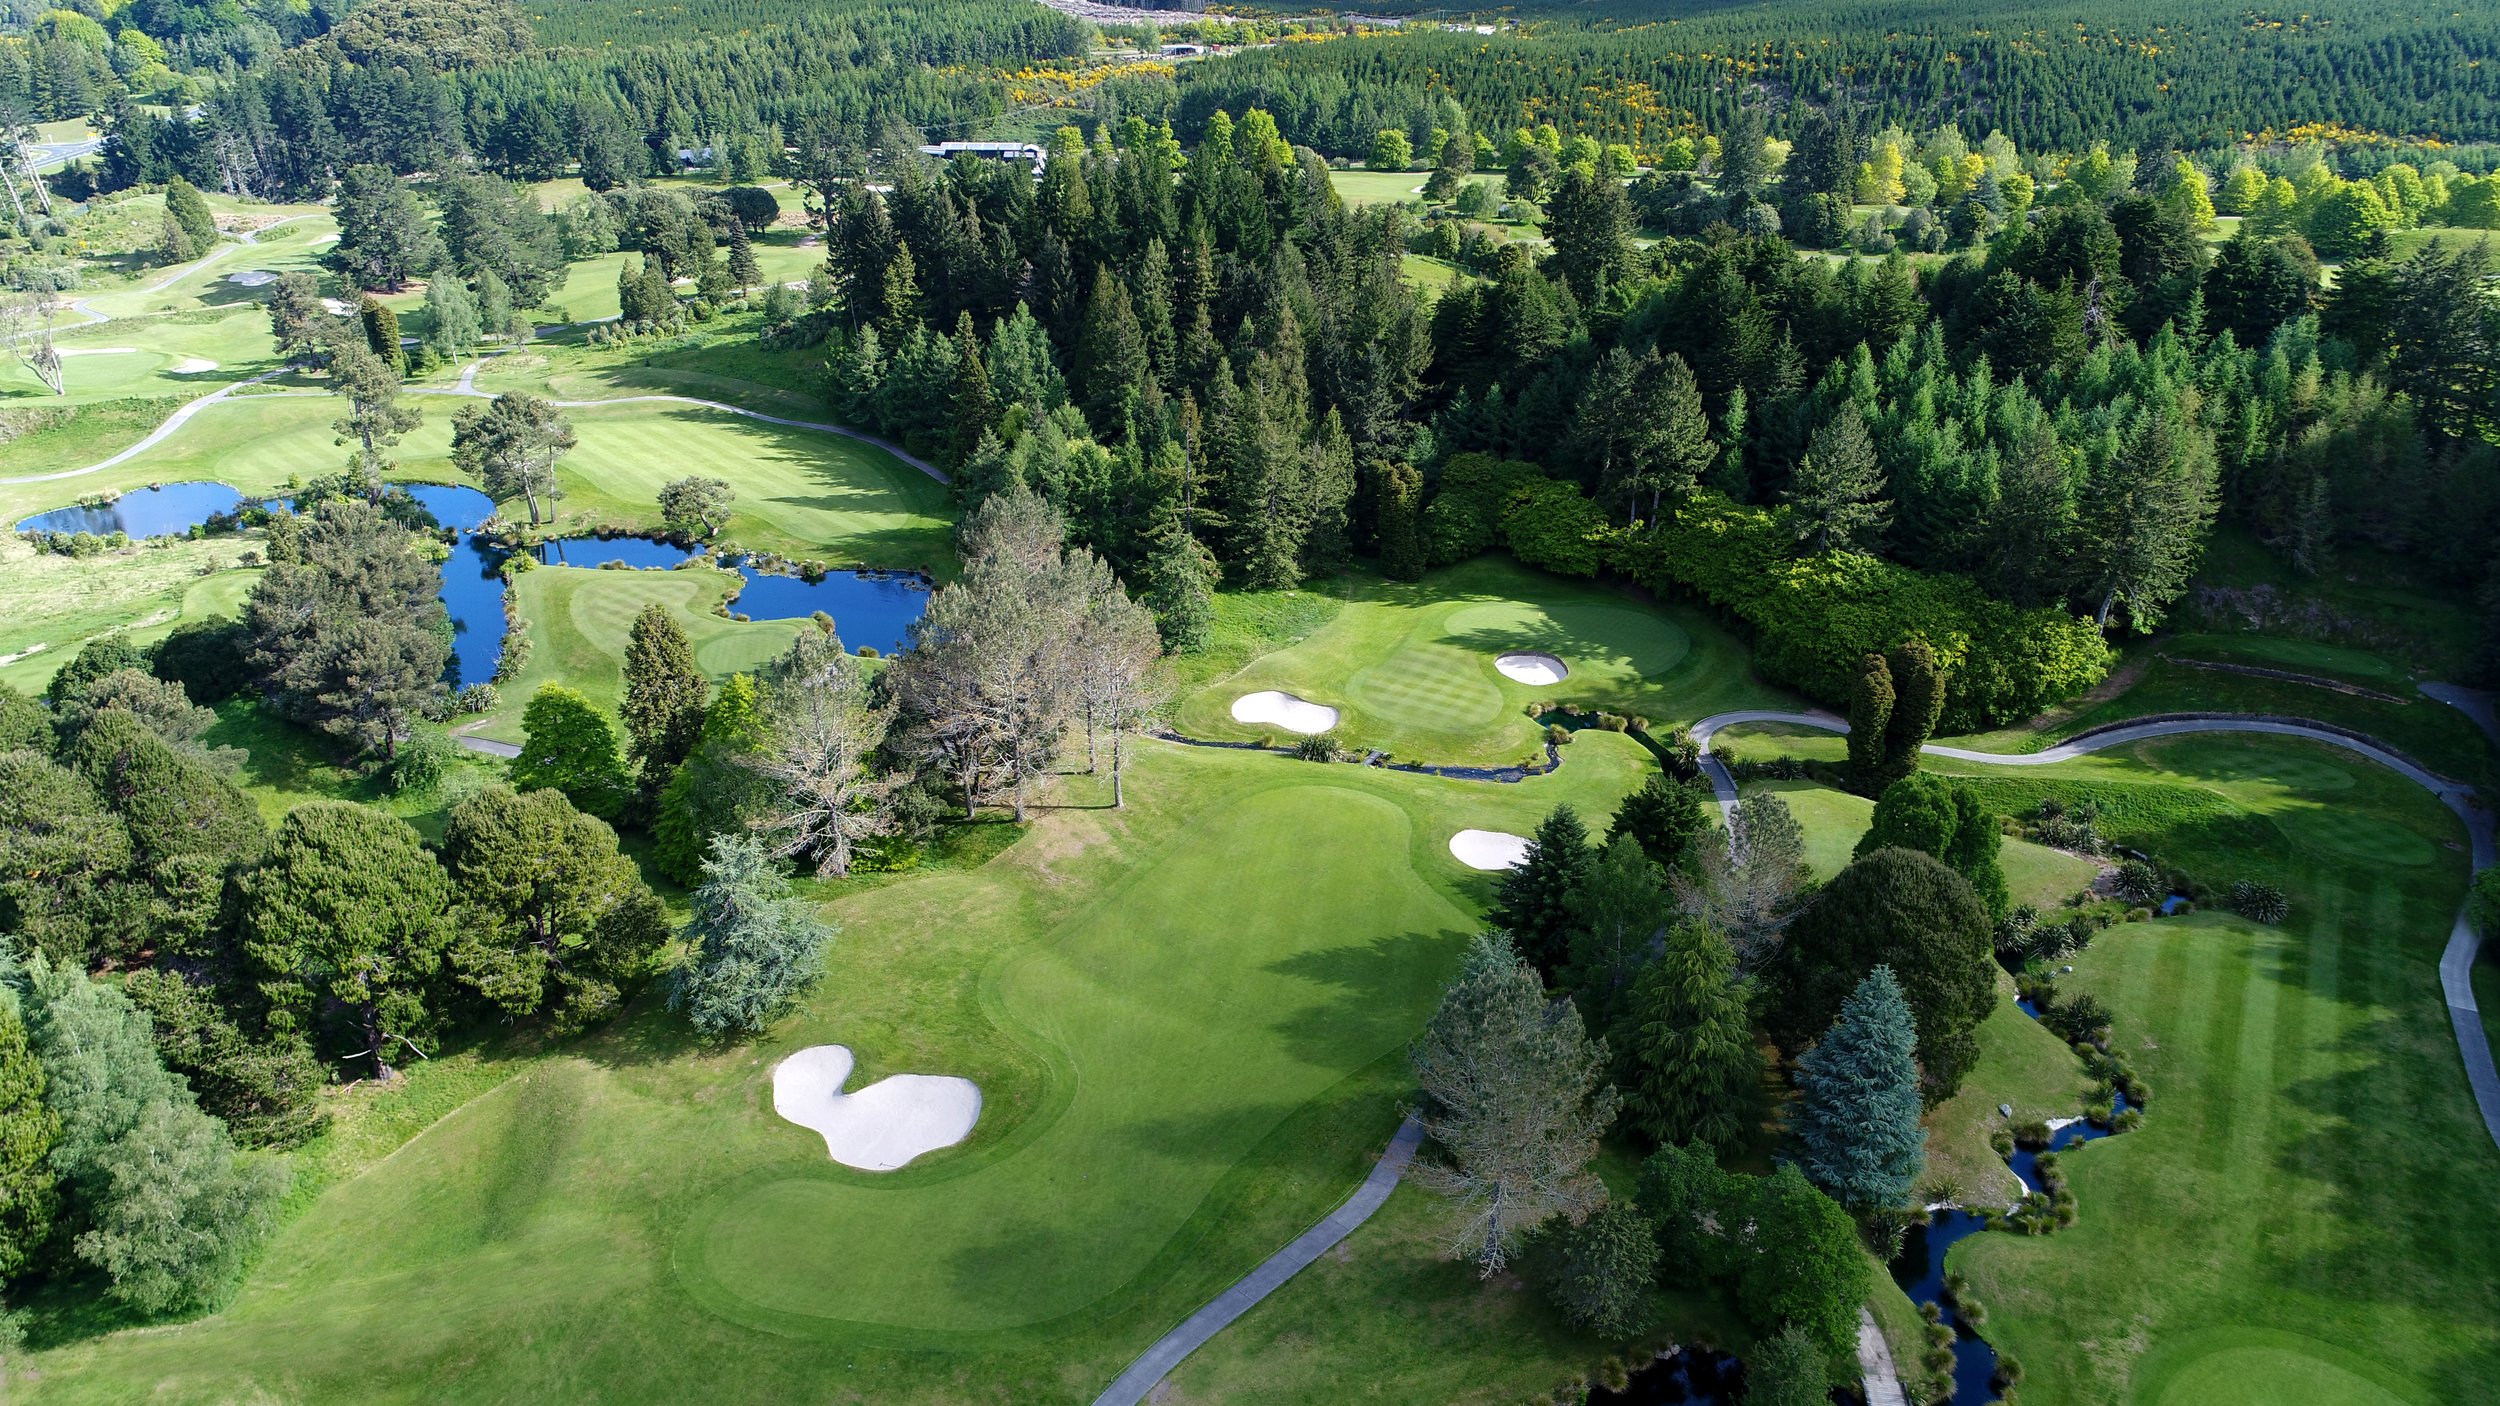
(2193, 74)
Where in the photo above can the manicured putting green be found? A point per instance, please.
(2269, 1376)
(580, 621)
(1414, 670)
(1185, 1044)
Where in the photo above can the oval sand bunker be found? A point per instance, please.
(882, 1126)
(1285, 711)
(1489, 850)
(1532, 668)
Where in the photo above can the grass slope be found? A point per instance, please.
(2288, 1224)
(1186, 1019)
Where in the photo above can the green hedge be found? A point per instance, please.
(1814, 618)
(1554, 526)
(1469, 502)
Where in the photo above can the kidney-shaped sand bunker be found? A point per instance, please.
(882, 1126)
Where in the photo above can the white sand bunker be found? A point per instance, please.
(1285, 711)
(325, 238)
(252, 278)
(338, 307)
(1532, 668)
(882, 1126)
(1489, 850)
(193, 365)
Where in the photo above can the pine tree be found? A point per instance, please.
(973, 408)
(1532, 902)
(1871, 700)
(1667, 818)
(1401, 544)
(1694, 1072)
(1918, 701)
(1787, 1369)
(1514, 1101)
(29, 1190)
(1110, 357)
(663, 706)
(751, 949)
(2143, 519)
(1856, 1121)
(1616, 912)
(1599, 1271)
(1330, 479)
(381, 331)
(1835, 501)
(743, 268)
(184, 205)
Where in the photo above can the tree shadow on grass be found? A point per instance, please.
(1383, 990)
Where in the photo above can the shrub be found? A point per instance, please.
(421, 763)
(2077, 1020)
(2260, 902)
(1815, 619)
(2138, 882)
(1466, 513)
(1319, 747)
(478, 698)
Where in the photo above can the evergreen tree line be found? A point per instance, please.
(835, 85)
(1215, 371)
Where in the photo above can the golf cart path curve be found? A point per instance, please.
(2456, 962)
(1151, 1366)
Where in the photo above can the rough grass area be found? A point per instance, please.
(1410, 667)
(57, 603)
(2020, 1063)
(48, 437)
(1834, 821)
(284, 765)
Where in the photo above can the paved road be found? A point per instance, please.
(487, 745)
(1875, 1367)
(1132, 1385)
(2456, 962)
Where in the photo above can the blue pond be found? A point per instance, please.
(868, 608)
(1695, 1376)
(143, 512)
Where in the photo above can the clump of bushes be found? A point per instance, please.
(1319, 747)
(2140, 883)
(2260, 902)
(477, 698)
(2058, 826)
(422, 762)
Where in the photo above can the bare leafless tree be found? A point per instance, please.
(823, 731)
(26, 318)
(1752, 878)
(1113, 655)
(1515, 1097)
